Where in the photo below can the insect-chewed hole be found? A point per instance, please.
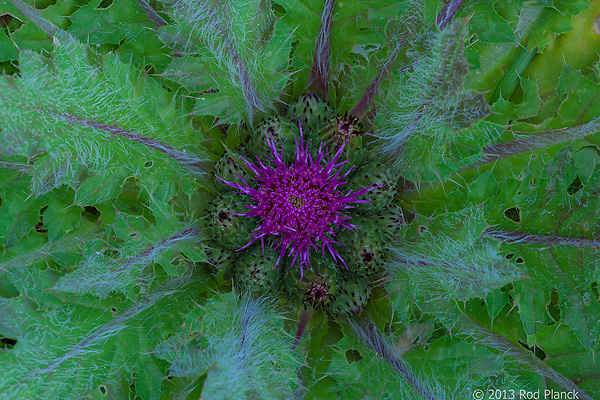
(113, 310)
(7, 343)
(102, 390)
(353, 355)
(553, 306)
(42, 4)
(513, 213)
(90, 213)
(148, 164)
(509, 256)
(519, 260)
(39, 227)
(539, 353)
(575, 186)
(104, 4)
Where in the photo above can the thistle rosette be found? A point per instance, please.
(300, 204)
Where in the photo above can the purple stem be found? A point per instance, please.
(548, 240)
(495, 152)
(319, 73)
(448, 12)
(190, 161)
(371, 336)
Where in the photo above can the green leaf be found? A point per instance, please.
(241, 346)
(488, 25)
(58, 349)
(61, 216)
(484, 187)
(496, 300)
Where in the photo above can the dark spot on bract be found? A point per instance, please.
(367, 256)
(513, 213)
(223, 216)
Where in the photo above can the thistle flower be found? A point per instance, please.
(300, 204)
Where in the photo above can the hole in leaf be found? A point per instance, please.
(104, 4)
(39, 227)
(539, 353)
(90, 213)
(10, 23)
(111, 253)
(553, 306)
(519, 193)
(113, 310)
(426, 347)
(509, 256)
(409, 217)
(102, 390)
(422, 229)
(513, 213)
(353, 355)
(42, 4)
(519, 260)
(575, 186)
(278, 8)
(5, 20)
(148, 164)
(7, 343)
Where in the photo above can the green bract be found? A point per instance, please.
(473, 268)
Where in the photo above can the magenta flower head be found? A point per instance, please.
(301, 205)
